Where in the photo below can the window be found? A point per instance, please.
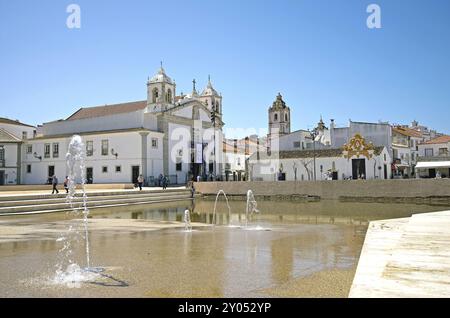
(55, 150)
(104, 169)
(47, 151)
(179, 165)
(29, 149)
(154, 143)
(285, 117)
(105, 147)
(118, 169)
(228, 166)
(296, 144)
(384, 157)
(275, 117)
(169, 96)
(155, 95)
(443, 151)
(89, 148)
(429, 152)
(238, 161)
(24, 135)
(2, 156)
(28, 168)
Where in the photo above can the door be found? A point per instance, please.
(89, 175)
(51, 173)
(335, 175)
(2, 177)
(359, 168)
(432, 173)
(134, 174)
(385, 172)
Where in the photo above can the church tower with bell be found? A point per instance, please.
(161, 92)
(279, 118)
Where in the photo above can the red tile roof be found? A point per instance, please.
(407, 131)
(12, 122)
(439, 140)
(106, 110)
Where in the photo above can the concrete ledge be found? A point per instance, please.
(405, 258)
(397, 188)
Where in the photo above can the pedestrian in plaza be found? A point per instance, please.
(55, 183)
(66, 184)
(160, 180)
(165, 182)
(140, 181)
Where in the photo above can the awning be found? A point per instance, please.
(432, 164)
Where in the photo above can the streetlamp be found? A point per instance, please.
(213, 121)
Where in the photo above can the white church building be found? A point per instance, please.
(174, 135)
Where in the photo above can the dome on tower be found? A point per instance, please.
(209, 90)
(161, 77)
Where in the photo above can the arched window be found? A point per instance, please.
(169, 96)
(275, 117)
(155, 93)
(285, 117)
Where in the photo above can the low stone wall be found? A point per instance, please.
(342, 189)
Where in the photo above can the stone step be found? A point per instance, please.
(49, 200)
(24, 197)
(93, 202)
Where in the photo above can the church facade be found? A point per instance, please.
(179, 136)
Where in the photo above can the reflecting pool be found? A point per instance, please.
(311, 250)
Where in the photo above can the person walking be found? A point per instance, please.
(140, 181)
(55, 183)
(66, 184)
(160, 180)
(165, 182)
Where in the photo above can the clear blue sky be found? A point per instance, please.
(319, 54)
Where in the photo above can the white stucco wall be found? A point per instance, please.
(17, 130)
(127, 145)
(435, 148)
(266, 170)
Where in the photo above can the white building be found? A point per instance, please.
(356, 160)
(434, 158)
(405, 149)
(177, 136)
(12, 134)
(236, 154)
